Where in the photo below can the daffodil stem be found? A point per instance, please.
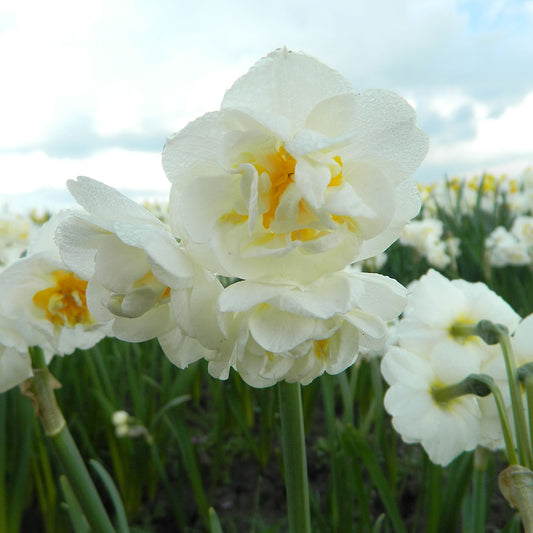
(529, 396)
(522, 434)
(479, 490)
(294, 457)
(40, 389)
(502, 414)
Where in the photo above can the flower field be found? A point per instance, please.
(190, 442)
(303, 340)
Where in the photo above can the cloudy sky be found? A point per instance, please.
(95, 87)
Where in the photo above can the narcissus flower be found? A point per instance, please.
(445, 429)
(129, 258)
(437, 308)
(52, 301)
(437, 349)
(286, 332)
(296, 176)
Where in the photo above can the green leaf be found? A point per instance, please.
(107, 480)
(75, 513)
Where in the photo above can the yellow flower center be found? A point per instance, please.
(321, 348)
(64, 303)
(276, 171)
(280, 169)
(461, 330)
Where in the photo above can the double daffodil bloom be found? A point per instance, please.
(51, 300)
(296, 176)
(296, 333)
(129, 258)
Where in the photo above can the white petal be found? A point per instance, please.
(118, 265)
(385, 134)
(451, 363)
(522, 341)
(278, 331)
(154, 323)
(195, 150)
(106, 203)
(401, 366)
(312, 181)
(78, 240)
(203, 203)
(180, 349)
(285, 83)
(382, 296)
(332, 296)
(15, 367)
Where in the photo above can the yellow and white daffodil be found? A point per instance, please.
(296, 333)
(52, 301)
(445, 430)
(296, 176)
(437, 348)
(129, 258)
(437, 308)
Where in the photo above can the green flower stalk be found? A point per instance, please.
(294, 457)
(492, 333)
(40, 389)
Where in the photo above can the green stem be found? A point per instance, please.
(81, 482)
(294, 457)
(502, 414)
(41, 389)
(479, 490)
(529, 396)
(522, 434)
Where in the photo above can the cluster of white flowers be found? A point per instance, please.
(15, 230)
(430, 353)
(295, 178)
(511, 247)
(426, 237)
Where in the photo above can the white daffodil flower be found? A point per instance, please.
(295, 333)
(432, 353)
(47, 299)
(51, 300)
(445, 430)
(435, 305)
(504, 248)
(523, 229)
(128, 256)
(296, 176)
(426, 236)
(15, 231)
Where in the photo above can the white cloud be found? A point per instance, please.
(119, 168)
(82, 78)
(497, 138)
